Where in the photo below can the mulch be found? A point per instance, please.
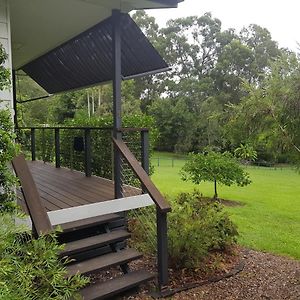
(248, 275)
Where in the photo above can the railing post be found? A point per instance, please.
(87, 153)
(43, 145)
(117, 169)
(145, 150)
(32, 137)
(162, 248)
(57, 147)
(117, 80)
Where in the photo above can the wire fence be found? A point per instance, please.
(167, 162)
(178, 162)
(141, 221)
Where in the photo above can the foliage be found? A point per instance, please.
(245, 152)
(196, 227)
(8, 150)
(213, 166)
(219, 78)
(30, 268)
(4, 73)
(268, 117)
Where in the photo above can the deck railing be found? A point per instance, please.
(140, 143)
(162, 208)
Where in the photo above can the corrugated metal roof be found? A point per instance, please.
(87, 59)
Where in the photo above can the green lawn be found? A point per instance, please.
(270, 218)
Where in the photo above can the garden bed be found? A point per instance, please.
(263, 276)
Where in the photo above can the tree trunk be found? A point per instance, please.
(216, 193)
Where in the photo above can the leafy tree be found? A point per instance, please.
(268, 117)
(173, 120)
(213, 166)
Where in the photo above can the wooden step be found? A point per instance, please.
(93, 242)
(115, 286)
(89, 222)
(103, 262)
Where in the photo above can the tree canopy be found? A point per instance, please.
(226, 88)
(217, 167)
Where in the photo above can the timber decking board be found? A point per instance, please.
(114, 286)
(92, 242)
(62, 188)
(103, 262)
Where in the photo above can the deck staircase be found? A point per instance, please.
(93, 246)
(94, 234)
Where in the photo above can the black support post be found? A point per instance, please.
(145, 150)
(87, 153)
(116, 17)
(57, 147)
(32, 135)
(162, 248)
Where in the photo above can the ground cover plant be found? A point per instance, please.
(269, 218)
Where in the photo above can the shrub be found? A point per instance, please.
(30, 268)
(8, 149)
(196, 227)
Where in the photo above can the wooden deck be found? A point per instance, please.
(63, 188)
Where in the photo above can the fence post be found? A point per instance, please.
(87, 152)
(145, 150)
(57, 148)
(162, 248)
(32, 134)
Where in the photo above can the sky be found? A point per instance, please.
(281, 18)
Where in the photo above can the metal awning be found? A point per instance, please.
(38, 26)
(87, 59)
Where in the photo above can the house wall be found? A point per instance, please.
(6, 96)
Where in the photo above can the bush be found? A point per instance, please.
(30, 268)
(196, 227)
(8, 149)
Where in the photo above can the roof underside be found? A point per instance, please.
(87, 59)
(39, 26)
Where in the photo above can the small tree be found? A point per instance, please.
(213, 166)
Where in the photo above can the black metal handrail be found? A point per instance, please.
(162, 208)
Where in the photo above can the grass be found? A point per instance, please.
(270, 218)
